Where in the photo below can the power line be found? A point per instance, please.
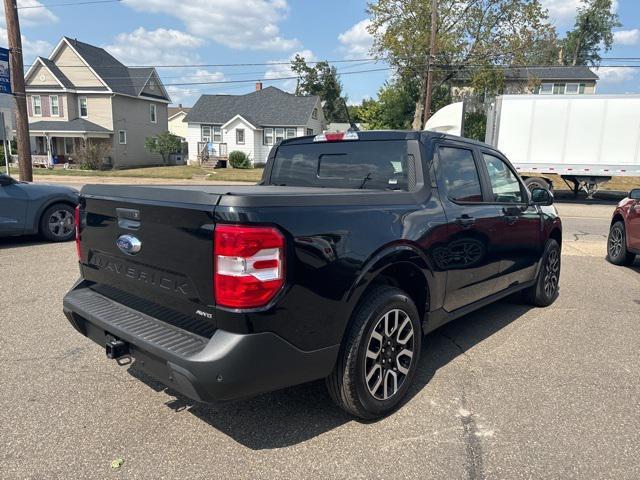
(90, 2)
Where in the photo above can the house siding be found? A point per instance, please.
(193, 137)
(41, 76)
(178, 127)
(249, 146)
(132, 115)
(75, 69)
(99, 109)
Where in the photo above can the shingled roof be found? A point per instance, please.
(579, 72)
(53, 68)
(269, 106)
(119, 77)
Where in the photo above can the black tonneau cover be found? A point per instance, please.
(245, 195)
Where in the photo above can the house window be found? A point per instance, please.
(291, 132)
(546, 89)
(572, 89)
(558, 88)
(152, 113)
(279, 135)
(37, 105)
(82, 107)
(205, 132)
(309, 131)
(55, 109)
(68, 145)
(268, 136)
(122, 137)
(217, 134)
(240, 136)
(314, 114)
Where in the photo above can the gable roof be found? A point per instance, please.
(116, 76)
(56, 72)
(269, 106)
(173, 111)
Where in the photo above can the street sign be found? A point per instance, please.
(5, 76)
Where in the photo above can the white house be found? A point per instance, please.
(251, 123)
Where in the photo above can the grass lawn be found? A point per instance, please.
(180, 172)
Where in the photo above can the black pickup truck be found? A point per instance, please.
(351, 248)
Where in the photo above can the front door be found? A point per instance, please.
(468, 251)
(520, 243)
(13, 207)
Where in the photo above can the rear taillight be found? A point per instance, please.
(77, 222)
(248, 265)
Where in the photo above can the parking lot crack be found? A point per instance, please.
(471, 437)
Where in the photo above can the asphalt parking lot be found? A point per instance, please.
(506, 392)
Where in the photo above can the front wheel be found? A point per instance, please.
(617, 252)
(545, 291)
(379, 356)
(57, 223)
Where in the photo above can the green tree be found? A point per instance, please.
(592, 33)
(473, 39)
(322, 80)
(165, 144)
(394, 107)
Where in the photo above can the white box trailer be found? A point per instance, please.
(586, 139)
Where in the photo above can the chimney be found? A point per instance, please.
(258, 86)
(179, 105)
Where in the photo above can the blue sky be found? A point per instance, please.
(170, 32)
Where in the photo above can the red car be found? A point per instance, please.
(624, 236)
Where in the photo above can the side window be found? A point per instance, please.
(505, 185)
(460, 175)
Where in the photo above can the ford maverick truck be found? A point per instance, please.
(352, 247)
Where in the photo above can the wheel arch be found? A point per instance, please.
(37, 216)
(401, 265)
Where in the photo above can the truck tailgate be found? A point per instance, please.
(171, 274)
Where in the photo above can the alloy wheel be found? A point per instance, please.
(552, 273)
(61, 223)
(615, 242)
(389, 354)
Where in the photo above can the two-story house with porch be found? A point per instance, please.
(251, 123)
(81, 94)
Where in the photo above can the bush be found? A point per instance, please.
(91, 154)
(239, 159)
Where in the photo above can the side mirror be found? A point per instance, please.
(6, 180)
(634, 194)
(541, 196)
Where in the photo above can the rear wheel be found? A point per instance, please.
(379, 356)
(57, 223)
(617, 252)
(537, 182)
(545, 291)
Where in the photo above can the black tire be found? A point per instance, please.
(538, 182)
(545, 291)
(617, 252)
(57, 223)
(347, 384)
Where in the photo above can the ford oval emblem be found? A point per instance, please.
(129, 244)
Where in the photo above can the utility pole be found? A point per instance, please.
(17, 85)
(432, 53)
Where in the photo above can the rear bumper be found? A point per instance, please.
(225, 367)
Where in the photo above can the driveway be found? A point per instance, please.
(506, 392)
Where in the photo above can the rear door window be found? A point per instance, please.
(460, 175)
(372, 165)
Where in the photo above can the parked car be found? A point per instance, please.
(623, 243)
(351, 248)
(30, 208)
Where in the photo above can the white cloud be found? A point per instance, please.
(563, 12)
(614, 75)
(155, 47)
(30, 48)
(239, 24)
(33, 16)
(188, 94)
(282, 68)
(356, 41)
(627, 37)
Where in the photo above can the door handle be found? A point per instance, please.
(465, 221)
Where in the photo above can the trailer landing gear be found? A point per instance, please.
(589, 185)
